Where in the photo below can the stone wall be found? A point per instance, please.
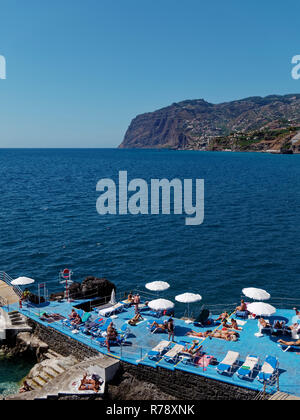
(61, 343)
(181, 385)
(185, 386)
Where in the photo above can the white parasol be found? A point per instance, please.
(256, 294)
(157, 286)
(161, 305)
(22, 281)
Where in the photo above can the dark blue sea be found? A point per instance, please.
(250, 235)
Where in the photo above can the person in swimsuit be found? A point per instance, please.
(199, 334)
(136, 319)
(242, 307)
(171, 329)
(156, 326)
(264, 323)
(223, 316)
(89, 384)
(290, 343)
(25, 388)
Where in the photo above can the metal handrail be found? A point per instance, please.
(8, 280)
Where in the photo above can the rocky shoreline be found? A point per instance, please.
(51, 366)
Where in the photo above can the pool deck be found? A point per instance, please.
(141, 341)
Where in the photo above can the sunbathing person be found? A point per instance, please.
(111, 332)
(89, 384)
(264, 323)
(130, 298)
(234, 325)
(73, 315)
(135, 320)
(223, 316)
(279, 325)
(77, 320)
(112, 335)
(25, 388)
(199, 334)
(193, 350)
(242, 307)
(225, 335)
(157, 326)
(294, 327)
(289, 343)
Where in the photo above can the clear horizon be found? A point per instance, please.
(79, 72)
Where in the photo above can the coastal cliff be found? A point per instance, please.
(252, 124)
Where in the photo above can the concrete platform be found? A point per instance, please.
(141, 341)
(8, 294)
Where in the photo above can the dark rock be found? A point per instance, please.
(91, 287)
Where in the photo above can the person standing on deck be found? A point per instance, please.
(136, 301)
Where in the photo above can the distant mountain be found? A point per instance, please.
(237, 125)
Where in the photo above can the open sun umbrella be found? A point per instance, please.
(257, 294)
(188, 298)
(161, 305)
(22, 281)
(261, 309)
(157, 286)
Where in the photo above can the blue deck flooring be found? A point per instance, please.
(141, 341)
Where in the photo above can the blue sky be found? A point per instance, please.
(78, 71)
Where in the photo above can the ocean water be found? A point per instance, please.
(12, 371)
(250, 235)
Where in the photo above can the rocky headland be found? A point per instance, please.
(269, 124)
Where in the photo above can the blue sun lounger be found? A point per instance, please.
(227, 365)
(173, 355)
(268, 370)
(157, 352)
(246, 371)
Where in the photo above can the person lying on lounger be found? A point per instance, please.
(155, 325)
(264, 323)
(279, 325)
(193, 350)
(135, 320)
(223, 316)
(199, 334)
(290, 343)
(89, 384)
(295, 327)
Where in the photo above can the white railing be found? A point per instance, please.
(8, 280)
